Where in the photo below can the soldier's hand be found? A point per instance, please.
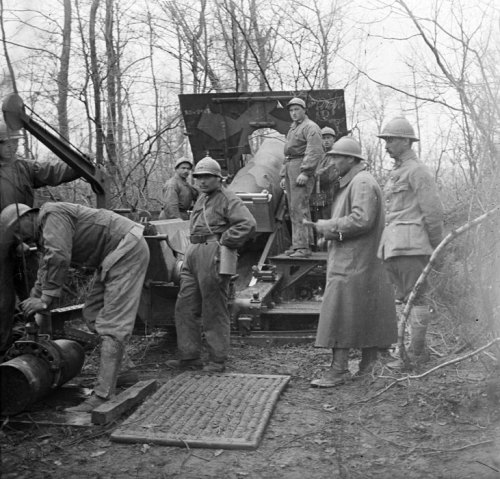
(283, 183)
(301, 179)
(31, 306)
(322, 227)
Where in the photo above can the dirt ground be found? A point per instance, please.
(442, 426)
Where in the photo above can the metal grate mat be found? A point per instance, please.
(225, 411)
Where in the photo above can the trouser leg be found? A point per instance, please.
(419, 321)
(216, 321)
(368, 357)
(298, 205)
(188, 312)
(403, 272)
(111, 309)
(340, 360)
(215, 312)
(110, 361)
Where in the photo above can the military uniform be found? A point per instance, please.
(112, 245)
(413, 224)
(303, 152)
(358, 305)
(326, 186)
(178, 197)
(18, 180)
(219, 217)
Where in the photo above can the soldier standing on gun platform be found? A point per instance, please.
(219, 221)
(326, 177)
(303, 152)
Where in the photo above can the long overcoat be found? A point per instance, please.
(358, 308)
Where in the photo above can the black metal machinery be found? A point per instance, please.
(37, 363)
(16, 118)
(34, 366)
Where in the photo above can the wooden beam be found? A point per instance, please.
(114, 408)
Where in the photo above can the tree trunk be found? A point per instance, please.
(62, 76)
(96, 83)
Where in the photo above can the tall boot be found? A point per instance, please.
(369, 357)
(420, 317)
(338, 373)
(128, 375)
(111, 357)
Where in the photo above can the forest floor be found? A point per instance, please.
(445, 425)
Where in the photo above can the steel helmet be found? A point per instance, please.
(398, 127)
(296, 101)
(7, 134)
(328, 131)
(207, 166)
(346, 146)
(181, 160)
(8, 218)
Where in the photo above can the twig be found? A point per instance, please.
(491, 356)
(458, 449)
(403, 318)
(486, 465)
(435, 368)
(437, 353)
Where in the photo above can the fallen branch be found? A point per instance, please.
(403, 317)
(435, 368)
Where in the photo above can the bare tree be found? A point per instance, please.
(63, 74)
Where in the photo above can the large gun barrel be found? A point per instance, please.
(258, 182)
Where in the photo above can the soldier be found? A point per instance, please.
(18, 180)
(326, 177)
(303, 151)
(179, 195)
(70, 234)
(219, 219)
(413, 228)
(357, 310)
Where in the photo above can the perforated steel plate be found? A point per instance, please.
(226, 411)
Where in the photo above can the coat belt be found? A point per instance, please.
(196, 239)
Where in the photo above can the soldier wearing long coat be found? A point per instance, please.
(358, 304)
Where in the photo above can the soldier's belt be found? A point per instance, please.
(197, 239)
(289, 158)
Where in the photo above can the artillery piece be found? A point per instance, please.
(272, 294)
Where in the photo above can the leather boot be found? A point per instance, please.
(417, 353)
(338, 373)
(420, 317)
(111, 357)
(128, 375)
(369, 357)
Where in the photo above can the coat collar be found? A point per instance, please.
(345, 180)
(407, 155)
